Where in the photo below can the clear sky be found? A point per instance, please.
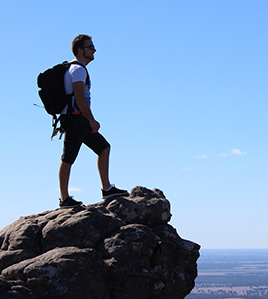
(180, 89)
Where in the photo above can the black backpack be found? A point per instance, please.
(52, 91)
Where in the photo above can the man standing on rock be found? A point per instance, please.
(80, 125)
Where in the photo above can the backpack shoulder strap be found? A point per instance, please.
(70, 107)
(78, 62)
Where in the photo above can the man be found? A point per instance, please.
(80, 125)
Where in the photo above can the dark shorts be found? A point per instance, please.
(77, 131)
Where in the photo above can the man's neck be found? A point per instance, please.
(83, 60)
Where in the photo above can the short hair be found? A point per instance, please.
(78, 42)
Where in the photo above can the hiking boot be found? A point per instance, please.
(69, 202)
(114, 192)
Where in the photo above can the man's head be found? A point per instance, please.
(79, 42)
(82, 47)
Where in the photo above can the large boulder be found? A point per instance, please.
(121, 248)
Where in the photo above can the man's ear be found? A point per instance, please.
(80, 51)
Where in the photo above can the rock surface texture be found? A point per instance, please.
(121, 248)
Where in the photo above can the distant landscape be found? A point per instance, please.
(232, 273)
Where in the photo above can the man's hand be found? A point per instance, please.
(95, 126)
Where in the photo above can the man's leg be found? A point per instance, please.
(103, 166)
(108, 190)
(101, 147)
(74, 135)
(64, 175)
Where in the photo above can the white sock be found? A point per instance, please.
(109, 188)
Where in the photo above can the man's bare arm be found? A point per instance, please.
(79, 95)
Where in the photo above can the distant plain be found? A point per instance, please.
(232, 274)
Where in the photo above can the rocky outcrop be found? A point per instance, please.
(122, 248)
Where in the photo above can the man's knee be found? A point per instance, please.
(106, 151)
(64, 166)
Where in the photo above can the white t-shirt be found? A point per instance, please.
(76, 73)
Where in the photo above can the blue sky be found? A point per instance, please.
(180, 89)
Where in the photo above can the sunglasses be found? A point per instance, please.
(91, 47)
